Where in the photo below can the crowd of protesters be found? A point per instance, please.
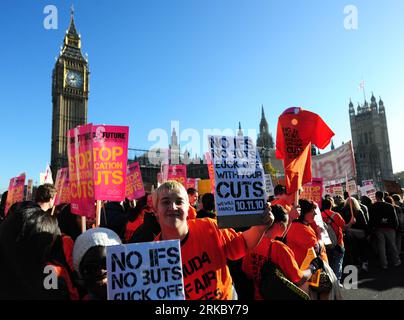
(35, 237)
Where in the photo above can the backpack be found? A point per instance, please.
(331, 232)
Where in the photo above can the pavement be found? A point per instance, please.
(376, 284)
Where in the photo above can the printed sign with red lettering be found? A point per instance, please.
(134, 182)
(367, 182)
(15, 191)
(336, 164)
(313, 191)
(62, 186)
(81, 176)
(370, 191)
(110, 152)
(178, 173)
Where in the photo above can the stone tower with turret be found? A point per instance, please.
(370, 140)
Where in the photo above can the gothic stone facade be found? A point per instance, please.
(371, 142)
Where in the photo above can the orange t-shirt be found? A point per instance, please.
(281, 255)
(191, 213)
(337, 225)
(301, 238)
(295, 134)
(283, 203)
(203, 253)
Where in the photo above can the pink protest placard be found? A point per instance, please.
(313, 191)
(192, 183)
(134, 182)
(80, 154)
(62, 187)
(110, 153)
(15, 191)
(179, 173)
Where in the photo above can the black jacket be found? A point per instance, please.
(147, 231)
(383, 215)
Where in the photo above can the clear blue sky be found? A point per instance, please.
(207, 64)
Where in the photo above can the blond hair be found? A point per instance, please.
(355, 204)
(170, 185)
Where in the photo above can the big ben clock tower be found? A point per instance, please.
(70, 85)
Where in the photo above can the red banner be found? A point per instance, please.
(15, 191)
(134, 182)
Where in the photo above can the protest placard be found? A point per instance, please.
(239, 181)
(352, 188)
(204, 186)
(81, 176)
(318, 219)
(62, 186)
(15, 191)
(178, 173)
(369, 190)
(367, 182)
(269, 187)
(192, 183)
(145, 271)
(313, 191)
(338, 190)
(110, 150)
(134, 182)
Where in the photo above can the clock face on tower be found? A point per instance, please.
(74, 79)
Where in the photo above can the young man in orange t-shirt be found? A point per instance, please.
(204, 247)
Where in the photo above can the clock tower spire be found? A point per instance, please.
(70, 91)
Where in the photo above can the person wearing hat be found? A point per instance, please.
(89, 260)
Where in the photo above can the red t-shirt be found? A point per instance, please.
(203, 253)
(281, 255)
(295, 134)
(300, 239)
(191, 213)
(131, 227)
(68, 245)
(337, 225)
(282, 202)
